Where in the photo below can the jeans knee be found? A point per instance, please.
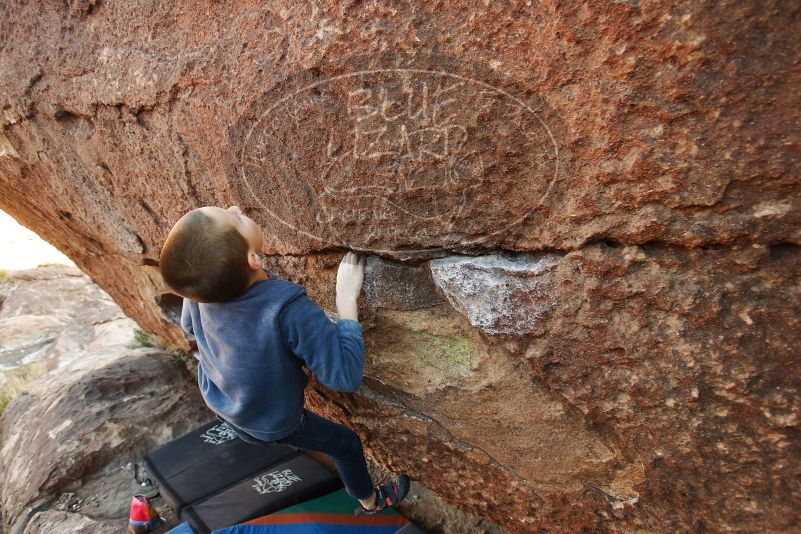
(352, 445)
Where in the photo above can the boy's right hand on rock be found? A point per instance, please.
(350, 276)
(349, 284)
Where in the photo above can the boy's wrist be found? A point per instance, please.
(347, 314)
(347, 311)
(347, 307)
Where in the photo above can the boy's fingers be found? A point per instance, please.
(356, 258)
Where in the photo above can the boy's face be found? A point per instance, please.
(245, 225)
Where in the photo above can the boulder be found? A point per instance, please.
(657, 381)
(410, 133)
(93, 418)
(56, 314)
(69, 523)
(642, 378)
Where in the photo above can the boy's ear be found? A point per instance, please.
(254, 261)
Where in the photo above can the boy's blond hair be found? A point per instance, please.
(204, 260)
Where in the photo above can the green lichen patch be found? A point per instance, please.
(142, 339)
(146, 339)
(442, 351)
(18, 380)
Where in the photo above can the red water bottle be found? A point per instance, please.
(143, 517)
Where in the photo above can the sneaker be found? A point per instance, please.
(387, 495)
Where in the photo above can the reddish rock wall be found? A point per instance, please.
(584, 220)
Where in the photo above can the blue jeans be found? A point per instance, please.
(342, 444)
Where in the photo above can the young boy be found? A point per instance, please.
(255, 333)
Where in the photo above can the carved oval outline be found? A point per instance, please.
(369, 72)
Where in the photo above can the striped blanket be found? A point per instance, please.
(330, 514)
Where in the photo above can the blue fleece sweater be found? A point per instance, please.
(252, 351)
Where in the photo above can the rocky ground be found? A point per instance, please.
(90, 384)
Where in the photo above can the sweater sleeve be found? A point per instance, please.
(334, 352)
(186, 318)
